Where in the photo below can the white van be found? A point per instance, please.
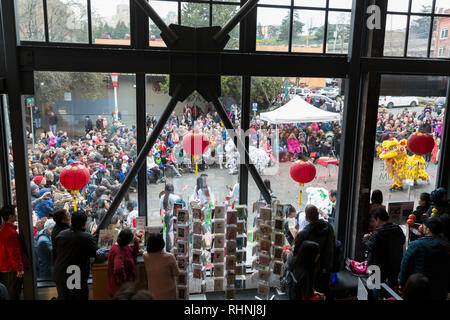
(391, 102)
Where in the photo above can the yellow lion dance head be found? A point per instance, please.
(393, 148)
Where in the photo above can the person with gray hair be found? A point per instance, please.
(44, 250)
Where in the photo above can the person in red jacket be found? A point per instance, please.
(121, 259)
(12, 260)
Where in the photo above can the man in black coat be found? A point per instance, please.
(322, 232)
(385, 247)
(62, 218)
(74, 248)
(88, 125)
(99, 123)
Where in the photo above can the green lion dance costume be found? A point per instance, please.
(399, 165)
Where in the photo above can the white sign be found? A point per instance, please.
(140, 223)
(67, 96)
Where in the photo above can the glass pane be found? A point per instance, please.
(278, 145)
(422, 6)
(407, 104)
(195, 14)
(273, 29)
(78, 122)
(31, 20)
(67, 21)
(398, 5)
(111, 22)
(168, 11)
(276, 2)
(311, 3)
(220, 16)
(394, 44)
(338, 34)
(308, 31)
(341, 4)
(418, 36)
(442, 7)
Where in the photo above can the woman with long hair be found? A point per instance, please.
(301, 275)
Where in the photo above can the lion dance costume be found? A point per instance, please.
(399, 165)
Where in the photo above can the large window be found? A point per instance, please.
(170, 164)
(415, 28)
(85, 118)
(299, 26)
(407, 105)
(275, 146)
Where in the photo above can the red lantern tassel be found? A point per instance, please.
(300, 196)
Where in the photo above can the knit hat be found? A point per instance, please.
(33, 186)
(49, 224)
(38, 179)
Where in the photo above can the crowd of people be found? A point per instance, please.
(402, 125)
(109, 150)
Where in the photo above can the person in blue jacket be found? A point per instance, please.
(45, 207)
(430, 256)
(44, 250)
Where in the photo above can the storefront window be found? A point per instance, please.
(82, 118)
(407, 105)
(276, 144)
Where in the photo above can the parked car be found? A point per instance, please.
(316, 89)
(330, 92)
(391, 102)
(298, 91)
(328, 102)
(439, 105)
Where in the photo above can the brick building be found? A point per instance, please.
(441, 37)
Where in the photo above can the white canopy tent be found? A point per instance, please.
(298, 110)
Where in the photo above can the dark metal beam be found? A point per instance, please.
(47, 58)
(411, 66)
(247, 44)
(141, 159)
(370, 92)
(349, 146)
(139, 24)
(443, 175)
(4, 157)
(19, 148)
(141, 137)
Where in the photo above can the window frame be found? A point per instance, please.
(361, 67)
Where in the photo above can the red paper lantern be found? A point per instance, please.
(74, 176)
(420, 143)
(303, 171)
(195, 144)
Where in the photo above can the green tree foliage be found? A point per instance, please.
(264, 90)
(421, 26)
(120, 31)
(197, 15)
(102, 29)
(297, 28)
(51, 86)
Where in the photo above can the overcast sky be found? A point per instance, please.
(269, 16)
